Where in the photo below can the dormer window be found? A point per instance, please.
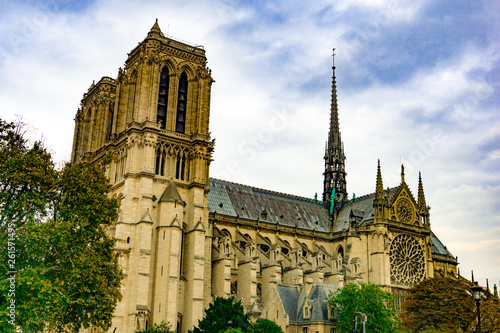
(307, 310)
(332, 314)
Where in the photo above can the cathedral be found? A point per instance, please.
(184, 238)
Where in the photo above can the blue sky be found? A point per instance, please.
(418, 83)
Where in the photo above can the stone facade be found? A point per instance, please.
(184, 238)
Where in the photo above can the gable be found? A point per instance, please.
(404, 206)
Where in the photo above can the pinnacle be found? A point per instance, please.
(379, 186)
(421, 195)
(155, 30)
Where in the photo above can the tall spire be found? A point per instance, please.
(334, 135)
(334, 175)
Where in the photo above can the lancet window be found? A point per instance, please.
(181, 104)
(120, 167)
(161, 157)
(341, 251)
(131, 95)
(110, 120)
(180, 167)
(172, 161)
(161, 114)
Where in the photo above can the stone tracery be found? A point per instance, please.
(407, 260)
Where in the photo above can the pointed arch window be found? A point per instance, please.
(160, 161)
(180, 125)
(131, 95)
(110, 120)
(180, 166)
(161, 113)
(341, 251)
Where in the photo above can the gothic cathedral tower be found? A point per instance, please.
(153, 121)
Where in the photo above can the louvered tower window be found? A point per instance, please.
(110, 121)
(180, 125)
(161, 115)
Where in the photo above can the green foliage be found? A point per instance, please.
(163, 327)
(375, 303)
(446, 305)
(433, 330)
(222, 314)
(232, 330)
(266, 326)
(53, 236)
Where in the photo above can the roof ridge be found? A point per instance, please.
(262, 190)
(369, 195)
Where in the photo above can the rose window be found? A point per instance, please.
(404, 210)
(407, 260)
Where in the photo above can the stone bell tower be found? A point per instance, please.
(153, 120)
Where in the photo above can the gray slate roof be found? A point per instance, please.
(253, 203)
(293, 301)
(438, 247)
(171, 194)
(289, 296)
(232, 199)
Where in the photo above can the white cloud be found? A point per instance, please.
(494, 155)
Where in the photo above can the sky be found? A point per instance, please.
(418, 84)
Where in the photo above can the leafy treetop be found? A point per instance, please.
(446, 305)
(53, 227)
(222, 314)
(163, 327)
(375, 303)
(263, 325)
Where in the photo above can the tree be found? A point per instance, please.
(490, 313)
(375, 303)
(266, 326)
(222, 314)
(163, 327)
(446, 305)
(439, 304)
(60, 271)
(232, 330)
